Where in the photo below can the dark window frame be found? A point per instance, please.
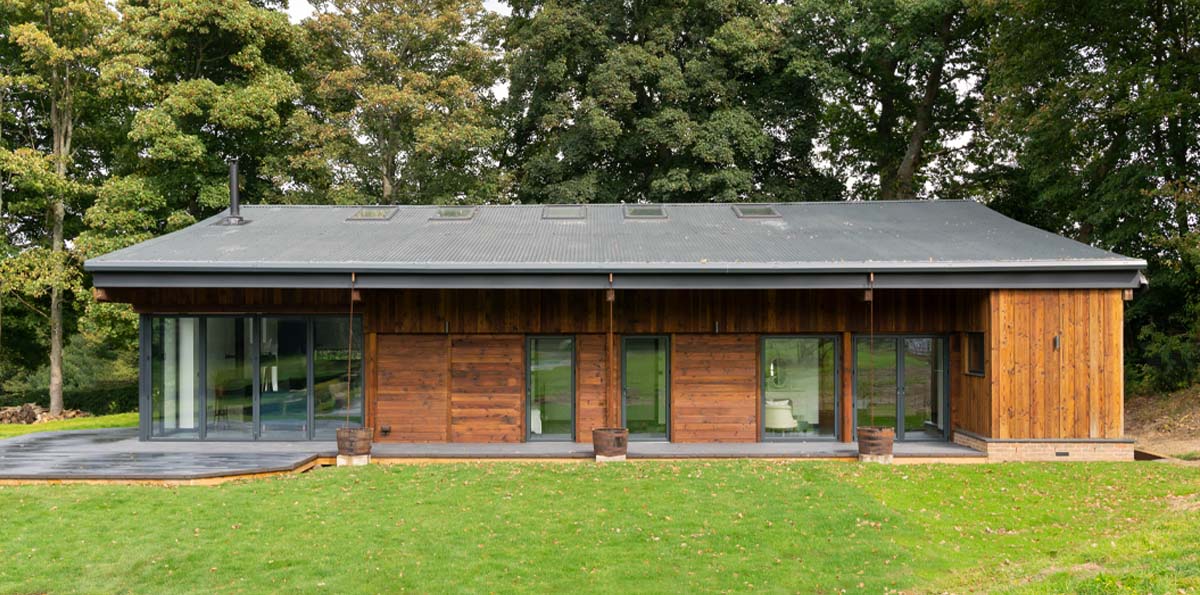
(972, 351)
(529, 435)
(628, 212)
(145, 381)
(837, 383)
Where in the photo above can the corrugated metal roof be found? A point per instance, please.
(935, 235)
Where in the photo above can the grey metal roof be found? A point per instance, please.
(818, 237)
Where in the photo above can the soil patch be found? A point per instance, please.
(1165, 424)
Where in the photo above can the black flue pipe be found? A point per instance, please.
(235, 207)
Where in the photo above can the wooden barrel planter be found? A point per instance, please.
(354, 441)
(610, 443)
(876, 441)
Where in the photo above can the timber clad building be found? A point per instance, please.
(682, 322)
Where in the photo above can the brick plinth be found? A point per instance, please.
(1048, 450)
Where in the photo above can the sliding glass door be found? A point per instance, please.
(901, 382)
(250, 377)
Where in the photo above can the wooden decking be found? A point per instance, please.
(116, 456)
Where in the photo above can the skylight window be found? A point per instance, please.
(564, 212)
(453, 214)
(373, 214)
(645, 212)
(756, 212)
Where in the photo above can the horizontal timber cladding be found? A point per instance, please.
(1057, 364)
(671, 311)
(591, 384)
(714, 388)
(412, 388)
(487, 388)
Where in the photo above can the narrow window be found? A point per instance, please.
(551, 387)
(975, 351)
(564, 212)
(373, 214)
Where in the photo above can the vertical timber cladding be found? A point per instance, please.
(714, 388)
(1057, 356)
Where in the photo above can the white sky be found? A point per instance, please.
(298, 10)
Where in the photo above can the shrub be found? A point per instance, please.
(99, 400)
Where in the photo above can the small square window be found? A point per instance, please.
(453, 214)
(564, 212)
(645, 212)
(975, 349)
(373, 214)
(756, 212)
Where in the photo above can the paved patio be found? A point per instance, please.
(118, 455)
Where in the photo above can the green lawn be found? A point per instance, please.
(638, 527)
(120, 420)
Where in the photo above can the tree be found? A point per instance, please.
(898, 79)
(401, 94)
(58, 41)
(204, 82)
(660, 101)
(1095, 136)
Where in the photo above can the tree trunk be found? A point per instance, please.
(923, 118)
(60, 121)
(885, 162)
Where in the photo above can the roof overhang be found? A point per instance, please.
(951, 279)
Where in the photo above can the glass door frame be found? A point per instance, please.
(145, 415)
(901, 389)
(762, 387)
(642, 438)
(529, 339)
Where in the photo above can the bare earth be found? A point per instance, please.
(1165, 424)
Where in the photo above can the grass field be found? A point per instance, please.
(639, 527)
(119, 420)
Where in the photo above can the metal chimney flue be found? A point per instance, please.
(235, 205)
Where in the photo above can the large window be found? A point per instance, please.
(551, 387)
(799, 387)
(252, 377)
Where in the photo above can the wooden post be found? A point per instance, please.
(612, 409)
(847, 388)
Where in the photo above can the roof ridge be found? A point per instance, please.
(624, 204)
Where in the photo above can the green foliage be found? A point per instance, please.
(97, 399)
(687, 101)
(401, 96)
(1094, 136)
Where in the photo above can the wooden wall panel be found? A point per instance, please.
(231, 299)
(1072, 391)
(487, 388)
(591, 384)
(411, 386)
(714, 388)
